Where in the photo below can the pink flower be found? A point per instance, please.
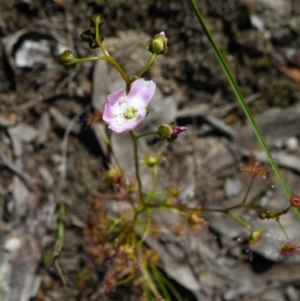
(176, 129)
(170, 131)
(125, 113)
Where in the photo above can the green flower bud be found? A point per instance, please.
(262, 215)
(67, 59)
(158, 44)
(255, 236)
(175, 192)
(151, 161)
(96, 20)
(164, 131)
(93, 45)
(170, 131)
(87, 36)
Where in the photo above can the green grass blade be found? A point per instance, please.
(243, 104)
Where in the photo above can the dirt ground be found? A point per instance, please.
(42, 167)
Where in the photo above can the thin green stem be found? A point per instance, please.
(169, 285)
(155, 176)
(226, 210)
(120, 69)
(148, 65)
(110, 60)
(136, 163)
(147, 277)
(146, 134)
(147, 229)
(161, 284)
(282, 228)
(240, 205)
(151, 195)
(242, 102)
(98, 41)
(90, 59)
(117, 221)
(248, 190)
(239, 220)
(251, 207)
(125, 280)
(128, 85)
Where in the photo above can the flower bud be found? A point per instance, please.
(170, 131)
(68, 60)
(151, 161)
(175, 192)
(295, 201)
(267, 215)
(93, 45)
(113, 175)
(128, 249)
(262, 215)
(255, 236)
(96, 20)
(195, 219)
(87, 36)
(164, 131)
(256, 169)
(158, 44)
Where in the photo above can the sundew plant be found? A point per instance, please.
(123, 238)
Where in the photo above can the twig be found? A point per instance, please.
(5, 161)
(33, 102)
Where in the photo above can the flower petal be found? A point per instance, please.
(141, 91)
(114, 97)
(176, 129)
(117, 101)
(107, 114)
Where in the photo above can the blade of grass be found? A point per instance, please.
(147, 279)
(168, 284)
(242, 102)
(161, 284)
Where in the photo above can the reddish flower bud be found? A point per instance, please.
(295, 201)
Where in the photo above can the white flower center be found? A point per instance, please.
(127, 112)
